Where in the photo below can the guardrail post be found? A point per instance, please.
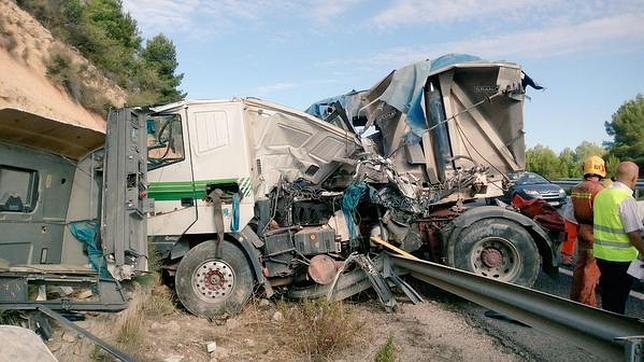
(633, 348)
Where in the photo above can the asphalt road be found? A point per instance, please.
(528, 342)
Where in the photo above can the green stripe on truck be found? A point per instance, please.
(176, 190)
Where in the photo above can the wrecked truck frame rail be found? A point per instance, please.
(608, 335)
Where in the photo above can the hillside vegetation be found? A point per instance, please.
(110, 39)
(45, 77)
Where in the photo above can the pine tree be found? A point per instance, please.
(627, 129)
(160, 54)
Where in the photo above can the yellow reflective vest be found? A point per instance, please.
(611, 241)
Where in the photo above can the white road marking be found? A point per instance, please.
(633, 294)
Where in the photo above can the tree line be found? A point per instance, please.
(110, 39)
(627, 129)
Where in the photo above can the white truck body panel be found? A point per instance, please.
(250, 143)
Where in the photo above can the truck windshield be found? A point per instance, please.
(165, 140)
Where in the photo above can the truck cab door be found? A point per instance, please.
(125, 201)
(172, 185)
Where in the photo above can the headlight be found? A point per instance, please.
(562, 192)
(532, 192)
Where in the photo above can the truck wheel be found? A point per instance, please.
(210, 286)
(498, 249)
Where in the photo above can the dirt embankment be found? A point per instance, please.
(26, 50)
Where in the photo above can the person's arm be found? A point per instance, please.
(636, 240)
(632, 225)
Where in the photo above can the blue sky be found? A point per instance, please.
(588, 54)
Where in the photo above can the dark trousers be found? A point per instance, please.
(614, 285)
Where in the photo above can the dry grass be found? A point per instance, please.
(7, 38)
(62, 69)
(160, 303)
(152, 301)
(152, 278)
(387, 353)
(130, 325)
(131, 333)
(309, 331)
(319, 329)
(149, 304)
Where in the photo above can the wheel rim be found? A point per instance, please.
(496, 258)
(213, 280)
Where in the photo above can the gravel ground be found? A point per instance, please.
(525, 341)
(430, 331)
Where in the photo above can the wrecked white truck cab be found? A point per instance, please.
(250, 193)
(245, 193)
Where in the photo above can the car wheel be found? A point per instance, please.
(496, 248)
(212, 286)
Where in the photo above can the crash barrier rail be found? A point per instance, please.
(116, 353)
(608, 335)
(568, 183)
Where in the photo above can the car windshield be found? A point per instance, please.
(530, 178)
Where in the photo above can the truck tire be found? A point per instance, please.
(210, 286)
(498, 249)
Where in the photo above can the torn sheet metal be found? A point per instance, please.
(402, 89)
(294, 145)
(453, 125)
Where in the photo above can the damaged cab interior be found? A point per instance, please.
(51, 191)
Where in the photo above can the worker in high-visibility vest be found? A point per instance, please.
(618, 240)
(586, 274)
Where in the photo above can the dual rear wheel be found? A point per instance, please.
(496, 248)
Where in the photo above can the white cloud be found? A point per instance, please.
(403, 13)
(619, 33)
(198, 16)
(205, 16)
(412, 12)
(324, 11)
(162, 15)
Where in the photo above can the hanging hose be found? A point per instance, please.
(215, 196)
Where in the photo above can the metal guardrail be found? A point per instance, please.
(121, 356)
(608, 335)
(568, 183)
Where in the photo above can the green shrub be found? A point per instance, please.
(73, 77)
(109, 38)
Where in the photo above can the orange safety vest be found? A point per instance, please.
(583, 197)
